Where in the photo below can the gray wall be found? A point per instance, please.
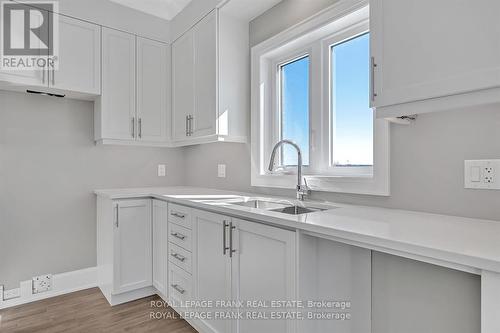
(49, 167)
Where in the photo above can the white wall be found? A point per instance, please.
(49, 167)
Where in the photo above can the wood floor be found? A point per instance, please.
(88, 311)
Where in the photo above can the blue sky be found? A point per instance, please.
(352, 119)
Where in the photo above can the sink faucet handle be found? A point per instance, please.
(305, 183)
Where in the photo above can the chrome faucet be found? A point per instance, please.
(302, 190)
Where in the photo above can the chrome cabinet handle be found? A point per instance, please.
(53, 77)
(231, 228)
(191, 118)
(178, 257)
(178, 235)
(43, 75)
(140, 127)
(133, 127)
(187, 125)
(373, 94)
(179, 215)
(178, 289)
(190, 125)
(117, 215)
(224, 247)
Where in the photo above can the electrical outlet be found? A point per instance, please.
(482, 174)
(41, 283)
(11, 294)
(221, 171)
(162, 170)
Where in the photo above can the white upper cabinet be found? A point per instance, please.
(117, 104)
(79, 57)
(205, 77)
(133, 107)
(210, 81)
(25, 77)
(152, 90)
(182, 85)
(428, 49)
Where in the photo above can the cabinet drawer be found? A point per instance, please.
(179, 215)
(180, 236)
(179, 286)
(180, 257)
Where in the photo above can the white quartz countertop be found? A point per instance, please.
(473, 243)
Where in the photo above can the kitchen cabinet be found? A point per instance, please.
(423, 50)
(125, 249)
(132, 265)
(210, 100)
(242, 261)
(205, 77)
(133, 108)
(152, 90)
(263, 270)
(32, 78)
(182, 85)
(116, 107)
(160, 240)
(212, 265)
(79, 57)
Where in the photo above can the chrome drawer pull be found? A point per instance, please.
(178, 257)
(181, 216)
(178, 235)
(178, 289)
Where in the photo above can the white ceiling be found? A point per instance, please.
(166, 9)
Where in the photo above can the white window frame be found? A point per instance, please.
(314, 37)
(275, 117)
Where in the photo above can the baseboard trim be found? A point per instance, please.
(63, 283)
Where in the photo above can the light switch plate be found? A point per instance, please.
(482, 174)
(162, 170)
(221, 171)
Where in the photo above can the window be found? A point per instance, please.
(294, 109)
(310, 84)
(352, 117)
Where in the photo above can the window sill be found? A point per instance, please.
(367, 185)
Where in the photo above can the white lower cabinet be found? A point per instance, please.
(124, 249)
(237, 260)
(212, 265)
(132, 246)
(263, 270)
(160, 240)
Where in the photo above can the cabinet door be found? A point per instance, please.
(182, 84)
(160, 240)
(205, 59)
(79, 57)
(132, 246)
(28, 77)
(118, 85)
(263, 269)
(152, 89)
(425, 49)
(211, 271)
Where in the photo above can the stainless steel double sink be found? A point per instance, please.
(282, 206)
